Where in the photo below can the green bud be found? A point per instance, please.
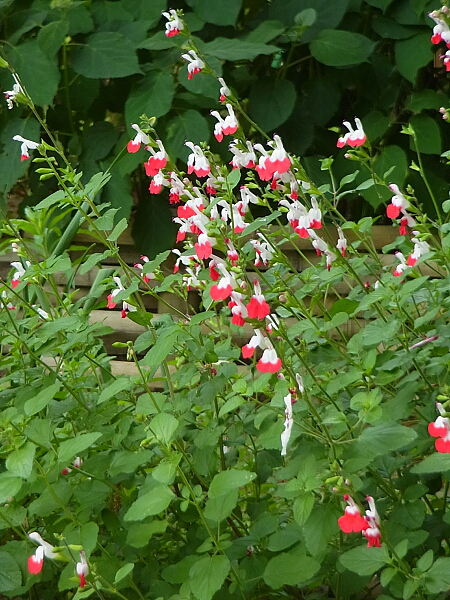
(46, 176)
(3, 63)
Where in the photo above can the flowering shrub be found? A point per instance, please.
(296, 393)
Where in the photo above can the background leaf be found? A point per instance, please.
(107, 54)
(341, 48)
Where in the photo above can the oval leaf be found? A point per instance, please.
(341, 48)
(71, 448)
(107, 54)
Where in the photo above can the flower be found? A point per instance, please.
(197, 161)
(148, 276)
(341, 243)
(203, 246)
(354, 137)
(36, 560)
(256, 341)
(352, 521)
(441, 31)
(227, 283)
(157, 161)
(240, 157)
(405, 221)
(258, 308)
(226, 126)
(112, 304)
(26, 145)
(140, 138)
(440, 429)
(288, 424)
(263, 250)
(20, 272)
(238, 309)
(157, 183)
(177, 188)
(174, 25)
(269, 361)
(196, 65)
(315, 215)
(82, 569)
(277, 162)
(10, 96)
(398, 202)
(372, 533)
(224, 90)
(420, 247)
(401, 266)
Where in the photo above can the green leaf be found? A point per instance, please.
(153, 97)
(437, 579)
(40, 401)
(105, 55)
(236, 49)
(152, 503)
(302, 507)
(20, 461)
(123, 572)
(413, 54)
(139, 534)
(117, 386)
(425, 99)
(289, 569)
(9, 486)
(51, 37)
(425, 561)
(337, 48)
(379, 440)
(388, 28)
(127, 461)
(39, 74)
(54, 198)
(262, 222)
(219, 508)
(271, 102)
(88, 537)
(435, 463)
(364, 561)
(228, 480)
(218, 13)
(164, 426)
(231, 404)
(321, 526)
(118, 230)
(188, 125)
(265, 32)
(207, 576)
(427, 133)
(10, 573)
(163, 346)
(70, 448)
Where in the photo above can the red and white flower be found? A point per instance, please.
(157, 160)
(184, 259)
(247, 197)
(20, 272)
(82, 569)
(10, 96)
(197, 161)
(398, 202)
(352, 521)
(263, 250)
(341, 243)
(195, 64)
(256, 341)
(258, 308)
(354, 137)
(440, 429)
(157, 183)
(126, 307)
(240, 157)
(204, 245)
(269, 361)
(288, 424)
(140, 138)
(224, 90)
(36, 560)
(147, 277)
(372, 533)
(227, 283)
(401, 266)
(25, 147)
(174, 25)
(441, 31)
(420, 247)
(406, 221)
(315, 215)
(226, 126)
(176, 190)
(319, 245)
(238, 309)
(277, 162)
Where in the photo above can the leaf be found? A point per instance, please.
(289, 569)
(219, 508)
(336, 48)
(218, 13)
(435, 463)
(20, 461)
(413, 54)
(236, 49)
(117, 386)
(37, 403)
(231, 405)
(364, 561)
(153, 97)
(54, 198)
(427, 133)
(271, 102)
(139, 534)
(152, 503)
(118, 230)
(9, 486)
(51, 37)
(10, 573)
(437, 578)
(262, 222)
(321, 526)
(163, 346)
(208, 575)
(379, 440)
(265, 32)
(164, 426)
(39, 74)
(302, 508)
(105, 55)
(188, 125)
(227, 480)
(88, 537)
(70, 448)
(123, 572)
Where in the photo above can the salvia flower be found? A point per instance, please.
(372, 532)
(226, 284)
(126, 307)
(10, 96)
(420, 247)
(36, 560)
(147, 277)
(441, 31)
(82, 569)
(440, 429)
(402, 265)
(241, 158)
(224, 90)
(269, 361)
(25, 147)
(20, 272)
(352, 521)
(140, 138)
(258, 308)
(354, 137)
(195, 64)
(256, 341)
(341, 243)
(174, 24)
(398, 202)
(157, 160)
(197, 161)
(288, 424)
(226, 126)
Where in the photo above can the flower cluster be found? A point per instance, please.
(440, 429)
(353, 522)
